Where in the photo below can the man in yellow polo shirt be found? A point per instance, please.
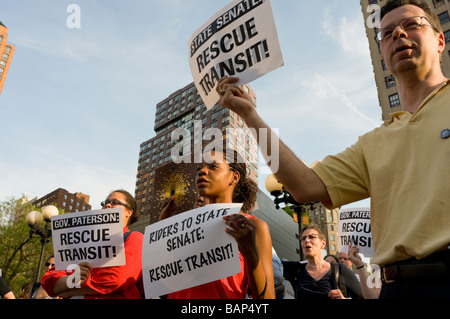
(403, 166)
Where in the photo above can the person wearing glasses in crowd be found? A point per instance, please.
(317, 279)
(402, 165)
(117, 282)
(40, 293)
(223, 179)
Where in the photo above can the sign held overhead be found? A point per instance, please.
(240, 40)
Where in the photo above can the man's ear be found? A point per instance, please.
(441, 45)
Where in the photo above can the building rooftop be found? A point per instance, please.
(1, 24)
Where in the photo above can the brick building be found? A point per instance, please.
(6, 54)
(61, 198)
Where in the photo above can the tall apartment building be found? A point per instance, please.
(158, 177)
(61, 198)
(6, 54)
(385, 81)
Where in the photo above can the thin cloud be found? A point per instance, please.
(348, 33)
(328, 90)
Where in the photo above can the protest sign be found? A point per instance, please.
(240, 40)
(188, 250)
(355, 228)
(93, 236)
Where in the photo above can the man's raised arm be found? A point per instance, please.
(300, 181)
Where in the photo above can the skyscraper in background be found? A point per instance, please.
(6, 54)
(385, 81)
(184, 109)
(158, 177)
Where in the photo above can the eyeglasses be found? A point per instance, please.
(49, 264)
(310, 237)
(113, 202)
(405, 24)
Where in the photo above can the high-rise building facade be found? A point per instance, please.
(159, 177)
(385, 81)
(6, 54)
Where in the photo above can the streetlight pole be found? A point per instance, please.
(34, 219)
(282, 196)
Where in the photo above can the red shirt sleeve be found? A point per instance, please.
(110, 279)
(49, 279)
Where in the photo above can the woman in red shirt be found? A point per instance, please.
(224, 180)
(118, 282)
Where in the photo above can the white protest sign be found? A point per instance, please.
(188, 250)
(355, 228)
(93, 236)
(240, 40)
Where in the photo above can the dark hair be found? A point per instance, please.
(246, 190)
(334, 257)
(430, 14)
(132, 205)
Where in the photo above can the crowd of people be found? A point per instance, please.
(391, 165)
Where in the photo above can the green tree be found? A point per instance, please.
(19, 251)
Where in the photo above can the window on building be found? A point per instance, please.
(390, 81)
(447, 36)
(438, 3)
(394, 100)
(444, 18)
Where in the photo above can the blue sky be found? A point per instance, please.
(77, 103)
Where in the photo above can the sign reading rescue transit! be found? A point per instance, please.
(93, 236)
(355, 228)
(188, 250)
(239, 41)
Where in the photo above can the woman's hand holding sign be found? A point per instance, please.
(243, 230)
(71, 285)
(85, 272)
(168, 208)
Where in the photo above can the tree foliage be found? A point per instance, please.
(19, 252)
